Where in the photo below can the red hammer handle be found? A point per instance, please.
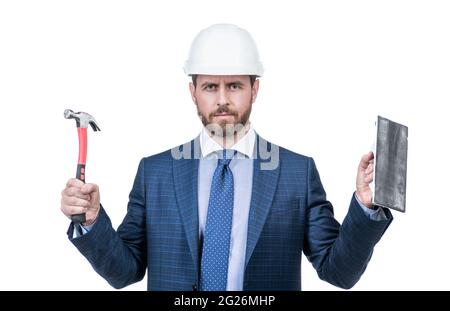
(82, 146)
(81, 167)
(82, 153)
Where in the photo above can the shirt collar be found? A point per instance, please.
(244, 146)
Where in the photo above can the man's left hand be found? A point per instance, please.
(364, 178)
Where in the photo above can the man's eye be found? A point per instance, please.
(234, 87)
(210, 87)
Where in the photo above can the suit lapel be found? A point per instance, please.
(185, 174)
(263, 191)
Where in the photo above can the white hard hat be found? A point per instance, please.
(224, 49)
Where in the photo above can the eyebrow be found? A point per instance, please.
(228, 84)
(236, 82)
(208, 83)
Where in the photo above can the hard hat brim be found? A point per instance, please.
(204, 69)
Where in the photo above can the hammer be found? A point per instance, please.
(83, 121)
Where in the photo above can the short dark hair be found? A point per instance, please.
(252, 80)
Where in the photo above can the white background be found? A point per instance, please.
(331, 68)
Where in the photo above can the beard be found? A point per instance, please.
(225, 127)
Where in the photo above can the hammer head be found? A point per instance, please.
(83, 119)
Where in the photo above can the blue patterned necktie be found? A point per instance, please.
(216, 243)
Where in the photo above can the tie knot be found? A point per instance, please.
(227, 156)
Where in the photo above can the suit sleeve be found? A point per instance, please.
(119, 256)
(339, 254)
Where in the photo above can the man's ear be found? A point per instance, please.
(192, 90)
(255, 89)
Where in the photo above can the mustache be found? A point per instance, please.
(223, 109)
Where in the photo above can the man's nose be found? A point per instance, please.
(223, 98)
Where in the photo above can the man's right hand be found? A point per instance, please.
(78, 198)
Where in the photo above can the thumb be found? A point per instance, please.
(89, 189)
(369, 156)
(365, 160)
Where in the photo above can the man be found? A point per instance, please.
(214, 214)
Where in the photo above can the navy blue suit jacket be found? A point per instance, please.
(289, 214)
